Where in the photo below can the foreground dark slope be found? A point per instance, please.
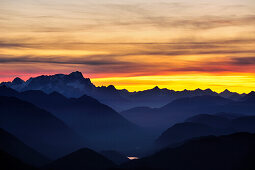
(83, 159)
(8, 162)
(98, 123)
(37, 128)
(231, 152)
(115, 156)
(204, 125)
(13, 146)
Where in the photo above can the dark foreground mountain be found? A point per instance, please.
(231, 152)
(83, 159)
(96, 122)
(9, 162)
(115, 156)
(13, 146)
(37, 128)
(75, 85)
(205, 125)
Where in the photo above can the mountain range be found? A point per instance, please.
(74, 85)
(183, 108)
(66, 122)
(38, 128)
(95, 122)
(16, 148)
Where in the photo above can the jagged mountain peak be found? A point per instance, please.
(76, 74)
(57, 77)
(17, 81)
(156, 88)
(198, 89)
(226, 91)
(69, 85)
(208, 90)
(111, 87)
(252, 93)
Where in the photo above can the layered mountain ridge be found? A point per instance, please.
(75, 85)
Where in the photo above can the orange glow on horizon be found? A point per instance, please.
(243, 83)
(135, 45)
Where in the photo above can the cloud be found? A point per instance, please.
(243, 61)
(59, 60)
(5, 44)
(215, 56)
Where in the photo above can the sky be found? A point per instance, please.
(132, 44)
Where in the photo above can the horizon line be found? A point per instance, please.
(145, 89)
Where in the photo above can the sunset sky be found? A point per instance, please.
(132, 44)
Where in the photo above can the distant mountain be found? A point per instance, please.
(244, 124)
(143, 116)
(72, 85)
(115, 156)
(83, 159)
(37, 128)
(231, 95)
(75, 85)
(13, 146)
(249, 97)
(184, 131)
(237, 124)
(176, 111)
(181, 109)
(222, 153)
(103, 127)
(244, 106)
(9, 162)
(210, 120)
(220, 120)
(229, 115)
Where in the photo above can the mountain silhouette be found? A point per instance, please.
(103, 127)
(181, 109)
(11, 163)
(231, 95)
(13, 146)
(244, 124)
(115, 156)
(210, 120)
(231, 152)
(229, 115)
(205, 125)
(37, 128)
(75, 85)
(176, 111)
(182, 132)
(81, 160)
